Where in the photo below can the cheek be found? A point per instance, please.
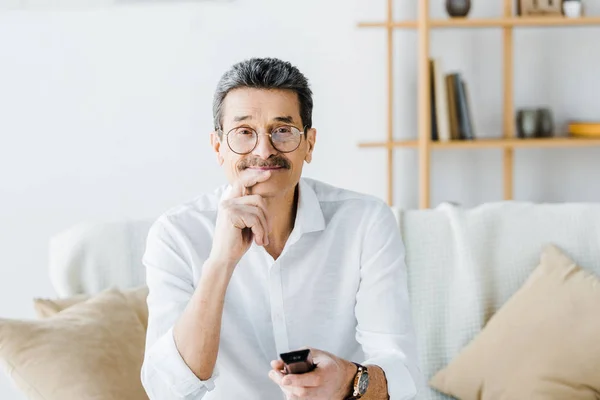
(230, 162)
(297, 161)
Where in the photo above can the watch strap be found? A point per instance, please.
(361, 369)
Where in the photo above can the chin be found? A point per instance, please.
(273, 187)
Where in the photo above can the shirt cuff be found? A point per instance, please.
(166, 360)
(401, 384)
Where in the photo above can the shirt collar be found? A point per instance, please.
(309, 216)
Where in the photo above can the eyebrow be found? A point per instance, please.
(287, 119)
(242, 118)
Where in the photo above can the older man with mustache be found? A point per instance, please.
(273, 263)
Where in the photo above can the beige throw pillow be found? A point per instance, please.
(136, 298)
(92, 350)
(544, 343)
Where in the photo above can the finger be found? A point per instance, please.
(259, 203)
(256, 201)
(308, 379)
(247, 180)
(244, 217)
(319, 355)
(276, 376)
(260, 229)
(249, 219)
(256, 223)
(277, 365)
(300, 392)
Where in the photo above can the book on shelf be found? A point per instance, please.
(433, 110)
(440, 101)
(462, 109)
(450, 106)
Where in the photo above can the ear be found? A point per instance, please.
(311, 138)
(215, 142)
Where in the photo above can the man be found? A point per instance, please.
(273, 263)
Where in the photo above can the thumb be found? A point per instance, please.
(316, 354)
(277, 364)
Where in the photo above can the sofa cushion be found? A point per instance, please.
(136, 298)
(465, 263)
(92, 350)
(543, 343)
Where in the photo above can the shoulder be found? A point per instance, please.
(348, 209)
(332, 196)
(191, 214)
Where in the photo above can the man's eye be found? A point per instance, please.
(283, 130)
(244, 132)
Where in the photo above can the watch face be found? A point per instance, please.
(363, 383)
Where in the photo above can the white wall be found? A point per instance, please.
(105, 111)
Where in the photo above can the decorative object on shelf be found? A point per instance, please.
(506, 126)
(539, 7)
(545, 123)
(573, 8)
(585, 129)
(527, 123)
(535, 123)
(458, 8)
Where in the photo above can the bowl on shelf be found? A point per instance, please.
(584, 129)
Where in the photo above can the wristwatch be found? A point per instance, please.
(361, 382)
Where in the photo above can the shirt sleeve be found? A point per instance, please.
(165, 375)
(383, 313)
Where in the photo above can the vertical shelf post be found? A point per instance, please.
(508, 92)
(390, 100)
(424, 106)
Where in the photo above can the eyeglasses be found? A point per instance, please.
(284, 138)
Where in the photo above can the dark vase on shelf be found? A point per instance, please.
(458, 8)
(545, 123)
(528, 124)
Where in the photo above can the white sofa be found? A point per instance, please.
(463, 263)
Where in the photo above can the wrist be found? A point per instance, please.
(350, 374)
(215, 264)
(217, 271)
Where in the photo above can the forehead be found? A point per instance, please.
(260, 105)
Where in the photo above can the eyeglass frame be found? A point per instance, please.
(270, 135)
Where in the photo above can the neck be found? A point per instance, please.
(281, 212)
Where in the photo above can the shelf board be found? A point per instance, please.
(395, 24)
(556, 142)
(490, 22)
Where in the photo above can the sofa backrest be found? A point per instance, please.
(463, 264)
(90, 257)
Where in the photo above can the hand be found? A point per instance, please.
(241, 219)
(332, 379)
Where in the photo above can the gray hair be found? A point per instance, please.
(264, 73)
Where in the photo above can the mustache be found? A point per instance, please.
(275, 161)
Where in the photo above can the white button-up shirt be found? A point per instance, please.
(339, 285)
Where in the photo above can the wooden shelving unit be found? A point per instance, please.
(487, 143)
(489, 22)
(424, 145)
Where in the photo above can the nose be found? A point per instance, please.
(264, 149)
